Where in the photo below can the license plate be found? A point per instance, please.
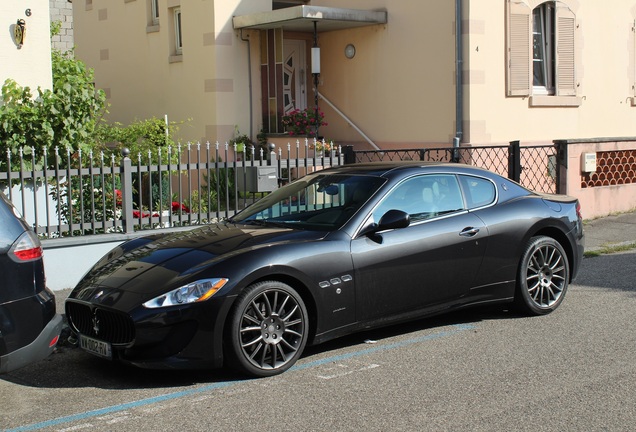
(97, 347)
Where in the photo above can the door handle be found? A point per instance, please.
(469, 232)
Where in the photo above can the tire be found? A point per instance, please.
(268, 329)
(542, 281)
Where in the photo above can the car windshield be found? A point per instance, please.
(318, 201)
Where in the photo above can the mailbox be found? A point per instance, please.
(588, 162)
(257, 179)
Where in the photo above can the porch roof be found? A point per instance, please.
(302, 18)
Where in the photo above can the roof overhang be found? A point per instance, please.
(302, 18)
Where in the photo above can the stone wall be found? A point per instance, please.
(62, 10)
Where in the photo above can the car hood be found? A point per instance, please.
(154, 263)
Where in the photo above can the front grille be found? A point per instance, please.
(102, 324)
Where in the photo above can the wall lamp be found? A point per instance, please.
(19, 32)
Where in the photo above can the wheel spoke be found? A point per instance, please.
(288, 345)
(295, 333)
(256, 351)
(251, 319)
(251, 329)
(289, 315)
(281, 352)
(259, 338)
(282, 306)
(257, 310)
(268, 305)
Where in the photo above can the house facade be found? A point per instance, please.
(529, 70)
(388, 73)
(25, 43)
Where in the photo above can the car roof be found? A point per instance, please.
(389, 169)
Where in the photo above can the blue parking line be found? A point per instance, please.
(171, 396)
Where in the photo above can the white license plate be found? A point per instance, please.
(97, 347)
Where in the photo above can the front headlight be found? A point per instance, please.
(193, 292)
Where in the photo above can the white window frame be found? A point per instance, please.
(543, 44)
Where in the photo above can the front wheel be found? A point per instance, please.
(543, 276)
(268, 329)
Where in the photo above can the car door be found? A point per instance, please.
(432, 261)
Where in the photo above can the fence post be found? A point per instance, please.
(561, 166)
(126, 192)
(349, 155)
(514, 161)
(273, 161)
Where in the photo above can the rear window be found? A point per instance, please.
(479, 191)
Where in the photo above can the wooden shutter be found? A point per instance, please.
(565, 30)
(519, 61)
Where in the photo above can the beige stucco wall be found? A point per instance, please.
(206, 88)
(604, 75)
(399, 88)
(29, 65)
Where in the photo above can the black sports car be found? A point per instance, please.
(332, 253)
(29, 326)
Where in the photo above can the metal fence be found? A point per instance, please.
(71, 194)
(76, 195)
(534, 167)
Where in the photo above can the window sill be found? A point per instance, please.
(175, 58)
(555, 101)
(152, 28)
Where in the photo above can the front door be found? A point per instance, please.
(431, 262)
(294, 72)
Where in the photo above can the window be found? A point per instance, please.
(479, 192)
(423, 197)
(154, 12)
(177, 31)
(543, 49)
(541, 52)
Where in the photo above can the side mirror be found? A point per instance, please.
(393, 219)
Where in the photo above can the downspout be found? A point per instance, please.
(249, 76)
(459, 85)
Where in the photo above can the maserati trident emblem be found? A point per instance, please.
(95, 321)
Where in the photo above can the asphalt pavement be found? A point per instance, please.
(610, 232)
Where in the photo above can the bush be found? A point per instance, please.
(303, 123)
(64, 117)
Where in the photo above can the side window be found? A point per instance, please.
(423, 197)
(479, 192)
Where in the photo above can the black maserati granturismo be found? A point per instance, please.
(334, 252)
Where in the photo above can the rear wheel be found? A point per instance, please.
(543, 276)
(268, 329)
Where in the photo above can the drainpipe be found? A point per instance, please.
(459, 85)
(249, 75)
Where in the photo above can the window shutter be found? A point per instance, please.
(519, 49)
(565, 29)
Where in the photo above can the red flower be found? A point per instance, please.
(177, 206)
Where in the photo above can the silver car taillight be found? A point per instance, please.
(26, 248)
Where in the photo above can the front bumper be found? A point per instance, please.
(37, 350)
(184, 337)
